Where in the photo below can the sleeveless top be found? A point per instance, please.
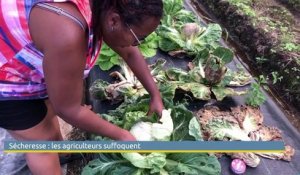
(21, 72)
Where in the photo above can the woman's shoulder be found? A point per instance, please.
(56, 31)
(72, 10)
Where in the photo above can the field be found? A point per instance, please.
(239, 63)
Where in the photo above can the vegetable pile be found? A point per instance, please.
(176, 124)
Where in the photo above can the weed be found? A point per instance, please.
(261, 60)
(276, 77)
(255, 96)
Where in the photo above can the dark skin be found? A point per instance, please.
(64, 48)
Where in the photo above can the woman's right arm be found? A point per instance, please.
(64, 46)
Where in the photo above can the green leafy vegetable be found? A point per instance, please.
(109, 58)
(175, 15)
(191, 38)
(149, 47)
(225, 54)
(97, 89)
(255, 97)
(193, 164)
(180, 124)
(131, 117)
(153, 161)
(109, 164)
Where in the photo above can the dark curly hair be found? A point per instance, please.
(131, 12)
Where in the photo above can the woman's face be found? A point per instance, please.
(118, 34)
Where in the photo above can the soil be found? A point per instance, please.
(75, 167)
(264, 39)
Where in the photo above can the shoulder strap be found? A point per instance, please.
(61, 11)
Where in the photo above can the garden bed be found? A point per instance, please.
(273, 116)
(268, 33)
(179, 72)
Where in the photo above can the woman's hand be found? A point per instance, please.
(156, 105)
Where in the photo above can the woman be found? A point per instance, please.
(47, 47)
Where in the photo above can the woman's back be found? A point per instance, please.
(21, 72)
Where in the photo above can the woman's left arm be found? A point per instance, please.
(135, 60)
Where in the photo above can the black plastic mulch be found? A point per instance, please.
(273, 116)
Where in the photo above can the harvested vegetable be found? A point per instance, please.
(250, 159)
(177, 124)
(238, 166)
(147, 131)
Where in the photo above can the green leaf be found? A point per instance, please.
(153, 44)
(115, 60)
(167, 45)
(97, 89)
(103, 58)
(225, 54)
(153, 161)
(172, 6)
(105, 65)
(255, 97)
(194, 129)
(147, 52)
(130, 118)
(167, 20)
(107, 164)
(149, 46)
(106, 51)
(212, 34)
(192, 164)
(172, 34)
(167, 90)
(176, 74)
(151, 41)
(184, 16)
(113, 119)
(196, 75)
(107, 58)
(157, 66)
(181, 118)
(201, 56)
(175, 14)
(199, 91)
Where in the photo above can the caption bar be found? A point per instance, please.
(143, 146)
